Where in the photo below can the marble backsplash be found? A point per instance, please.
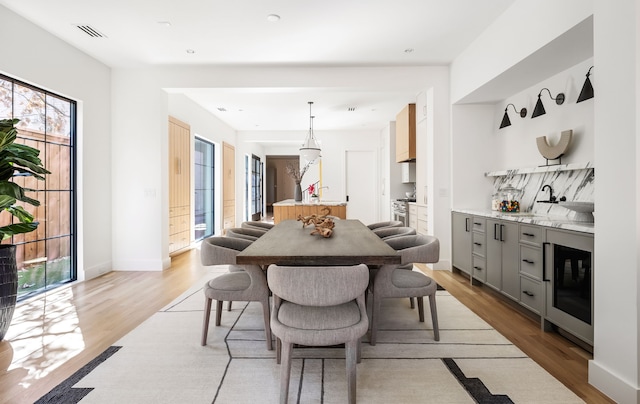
(575, 182)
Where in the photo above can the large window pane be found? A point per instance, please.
(28, 106)
(46, 256)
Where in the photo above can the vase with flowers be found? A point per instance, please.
(296, 174)
(313, 196)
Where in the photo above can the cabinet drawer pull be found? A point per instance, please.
(477, 268)
(526, 292)
(527, 261)
(478, 244)
(477, 223)
(528, 234)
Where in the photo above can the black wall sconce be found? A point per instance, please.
(587, 88)
(539, 109)
(505, 119)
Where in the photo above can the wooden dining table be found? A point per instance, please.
(289, 243)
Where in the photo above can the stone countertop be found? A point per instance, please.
(556, 222)
(291, 202)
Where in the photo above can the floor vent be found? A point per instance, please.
(92, 32)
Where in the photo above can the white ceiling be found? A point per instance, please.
(331, 33)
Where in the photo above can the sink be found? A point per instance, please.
(583, 210)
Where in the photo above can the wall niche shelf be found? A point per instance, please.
(541, 169)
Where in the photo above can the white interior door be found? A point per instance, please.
(361, 189)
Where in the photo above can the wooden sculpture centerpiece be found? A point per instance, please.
(323, 224)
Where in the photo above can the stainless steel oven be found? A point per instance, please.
(400, 210)
(568, 276)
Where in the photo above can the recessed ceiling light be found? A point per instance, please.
(165, 23)
(190, 51)
(273, 17)
(408, 50)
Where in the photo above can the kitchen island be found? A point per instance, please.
(290, 209)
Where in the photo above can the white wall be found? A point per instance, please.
(616, 79)
(518, 141)
(524, 28)
(44, 61)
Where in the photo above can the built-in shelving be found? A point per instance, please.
(540, 169)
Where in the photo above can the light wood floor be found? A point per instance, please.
(54, 335)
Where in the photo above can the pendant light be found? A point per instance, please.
(310, 149)
(587, 88)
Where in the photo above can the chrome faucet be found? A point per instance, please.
(552, 198)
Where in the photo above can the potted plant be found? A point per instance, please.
(16, 160)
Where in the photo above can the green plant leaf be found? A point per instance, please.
(17, 228)
(21, 214)
(6, 202)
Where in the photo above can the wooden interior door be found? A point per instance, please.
(228, 186)
(179, 185)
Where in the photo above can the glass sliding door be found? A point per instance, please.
(256, 188)
(204, 188)
(47, 256)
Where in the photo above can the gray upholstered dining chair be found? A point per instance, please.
(392, 281)
(318, 306)
(386, 233)
(388, 223)
(241, 283)
(247, 233)
(254, 224)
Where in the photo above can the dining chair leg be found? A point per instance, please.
(229, 305)
(412, 303)
(278, 350)
(267, 323)
(205, 322)
(359, 350)
(420, 308)
(351, 359)
(285, 372)
(375, 313)
(218, 312)
(434, 316)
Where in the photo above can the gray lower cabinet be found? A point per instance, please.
(461, 226)
(503, 269)
(531, 292)
(478, 249)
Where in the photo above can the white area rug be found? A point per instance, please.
(162, 361)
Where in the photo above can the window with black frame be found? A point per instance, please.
(256, 188)
(204, 188)
(46, 257)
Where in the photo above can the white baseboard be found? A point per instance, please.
(611, 385)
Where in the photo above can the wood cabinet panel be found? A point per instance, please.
(179, 185)
(287, 212)
(228, 186)
(406, 134)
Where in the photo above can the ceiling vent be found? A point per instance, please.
(92, 32)
(222, 109)
(351, 109)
